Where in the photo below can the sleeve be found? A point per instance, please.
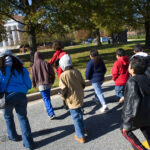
(131, 103)
(33, 78)
(115, 71)
(63, 87)
(53, 59)
(81, 80)
(88, 73)
(52, 74)
(104, 67)
(26, 79)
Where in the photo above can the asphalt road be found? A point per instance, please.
(58, 134)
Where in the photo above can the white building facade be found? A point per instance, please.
(13, 36)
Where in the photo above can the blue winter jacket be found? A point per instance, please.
(95, 73)
(18, 83)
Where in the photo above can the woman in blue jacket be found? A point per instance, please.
(95, 72)
(18, 85)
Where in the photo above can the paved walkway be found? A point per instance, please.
(103, 129)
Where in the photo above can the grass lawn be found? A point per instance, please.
(80, 56)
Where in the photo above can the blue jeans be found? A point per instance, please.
(119, 91)
(77, 117)
(98, 92)
(46, 98)
(19, 102)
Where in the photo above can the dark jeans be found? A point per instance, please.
(19, 102)
(136, 144)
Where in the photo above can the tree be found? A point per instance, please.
(48, 16)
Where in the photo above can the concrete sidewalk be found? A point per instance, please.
(37, 95)
(103, 129)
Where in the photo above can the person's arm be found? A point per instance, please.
(53, 59)
(33, 78)
(115, 71)
(63, 87)
(104, 67)
(26, 79)
(81, 79)
(131, 103)
(88, 73)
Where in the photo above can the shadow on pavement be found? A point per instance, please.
(101, 124)
(64, 131)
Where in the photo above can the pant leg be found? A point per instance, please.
(119, 91)
(136, 144)
(10, 124)
(99, 92)
(46, 98)
(21, 110)
(78, 121)
(146, 133)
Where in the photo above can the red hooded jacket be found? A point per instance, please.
(120, 72)
(55, 59)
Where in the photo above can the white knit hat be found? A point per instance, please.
(65, 61)
(4, 52)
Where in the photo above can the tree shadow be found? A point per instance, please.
(64, 131)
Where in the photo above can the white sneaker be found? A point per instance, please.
(104, 109)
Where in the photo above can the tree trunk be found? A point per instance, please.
(98, 37)
(32, 45)
(147, 30)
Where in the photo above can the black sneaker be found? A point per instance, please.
(16, 139)
(52, 117)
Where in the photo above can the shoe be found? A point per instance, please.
(96, 101)
(16, 139)
(52, 117)
(85, 132)
(104, 109)
(81, 140)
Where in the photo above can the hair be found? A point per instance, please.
(120, 52)
(17, 65)
(138, 63)
(57, 45)
(138, 48)
(95, 55)
(2, 64)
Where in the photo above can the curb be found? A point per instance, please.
(54, 91)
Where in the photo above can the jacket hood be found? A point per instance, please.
(124, 60)
(65, 61)
(144, 83)
(37, 56)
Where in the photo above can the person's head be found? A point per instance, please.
(8, 59)
(120, 52)
(57, 45)
(65, 62)
(137, 65)
(95, 56)
(138, 48)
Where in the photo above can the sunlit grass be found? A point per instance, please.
(80, 56)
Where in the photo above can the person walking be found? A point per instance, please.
(72, 84)
(57, 46)
(15, 80)
(120, 73)
(95, 71)
(135, 113)
(43, 76)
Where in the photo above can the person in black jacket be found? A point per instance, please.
(136, 106)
